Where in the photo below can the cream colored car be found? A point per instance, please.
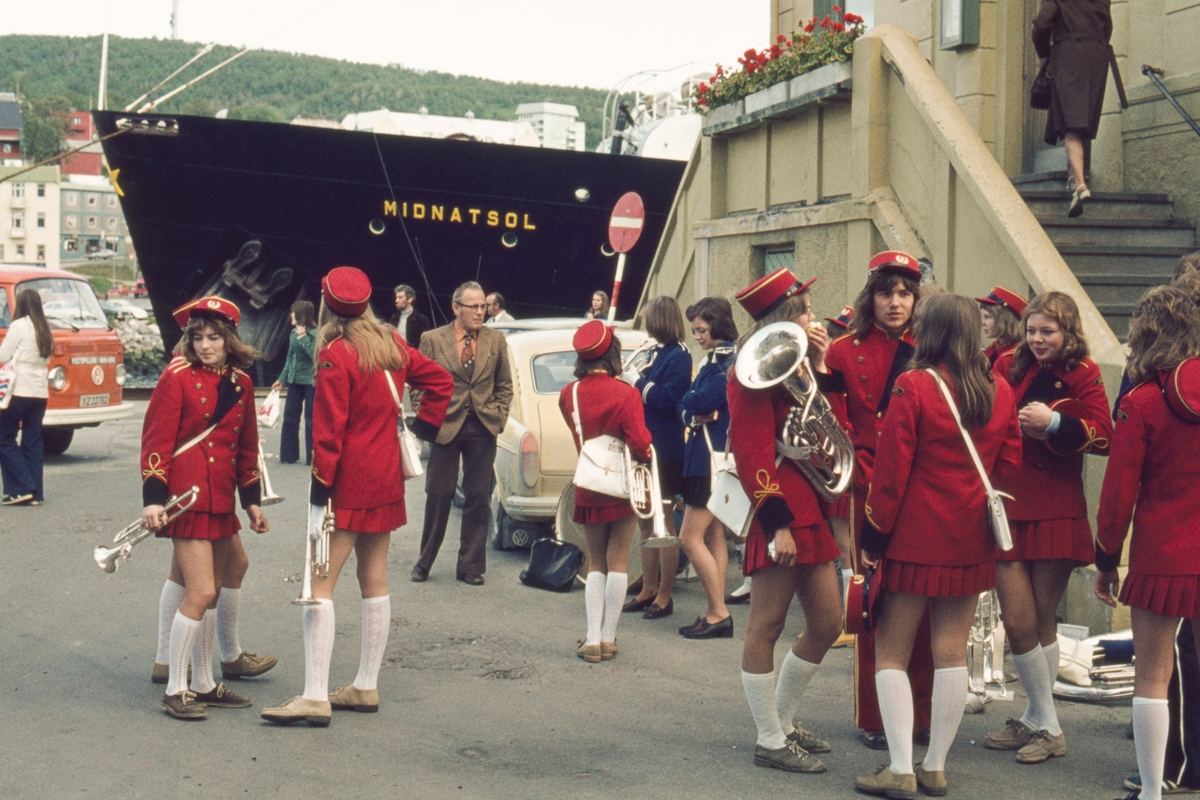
(535, 456)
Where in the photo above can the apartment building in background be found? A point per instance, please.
(29, 217)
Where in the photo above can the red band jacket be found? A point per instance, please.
(926, 492)
(186, 401)
(356, 453)
(781, 496)
(1152, 475)
(607, 407)
(1049, 484)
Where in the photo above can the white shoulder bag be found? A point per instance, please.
(410, 448)
(603, 461)
(997, 516)
(728, 501)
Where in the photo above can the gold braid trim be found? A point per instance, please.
(154, 461)
(766, 489)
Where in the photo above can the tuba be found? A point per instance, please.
(811, 435)
(106, 557)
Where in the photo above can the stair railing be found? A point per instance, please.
(1152, 73)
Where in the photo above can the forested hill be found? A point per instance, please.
(265, 85)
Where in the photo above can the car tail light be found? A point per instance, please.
(531, 462)
(57, 378)
(120, 374)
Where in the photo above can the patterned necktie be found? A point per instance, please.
(467, 356)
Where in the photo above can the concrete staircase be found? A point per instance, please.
(1124, 243)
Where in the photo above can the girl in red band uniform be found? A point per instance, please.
(201, 430)
(1001, 311)
(926, 521)
(1063, 411)
(1152, 474)
(607, 407)
(356, 465)
(789, 550)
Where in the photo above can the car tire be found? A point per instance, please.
(55, 441)
(499, 524)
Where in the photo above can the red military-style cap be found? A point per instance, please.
(213, 305)
(843, 319)
(347, 291)
(1006, 298)
(592, 340)
(896, 260)
(768, 293)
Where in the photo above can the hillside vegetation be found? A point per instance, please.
(59, 72)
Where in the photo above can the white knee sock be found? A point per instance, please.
(593, 599)
(318, 647)
(896, 708)
(168, 605)
(202, 653)
(183, 635)
(794, 675)
(614, 598)
(1035, 678)
(1151, 721)
(227, 624)
(949, 689)
(376, 622)
(1052, 656)
(760, 693)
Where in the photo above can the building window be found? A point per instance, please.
(111, 223)
(41, 220)
(776, 257)
(76, 120)
(18, 220)
(20, 252)
(70, 222)
(41, 252)
(72, 199)
(18, 190)
(41, 190)
(111, 201)
(93, 200)
(92, 223)
(7, 148)
(1, 259)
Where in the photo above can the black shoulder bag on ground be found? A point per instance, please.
(553, 565)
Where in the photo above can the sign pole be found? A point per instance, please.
(616, 292)
(624, 228)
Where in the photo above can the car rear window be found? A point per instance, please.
(68, 303)
(553, 371)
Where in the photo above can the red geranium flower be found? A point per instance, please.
(839, 27)
(809, 27)
(837, 9)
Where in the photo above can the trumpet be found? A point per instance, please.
(268, 498)
(645, 495)
(106, 557)
(649, 344)
(316, 558)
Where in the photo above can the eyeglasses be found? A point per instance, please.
(476, 307)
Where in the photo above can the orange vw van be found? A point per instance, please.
(87, 369)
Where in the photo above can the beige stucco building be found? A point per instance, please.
(29, 217)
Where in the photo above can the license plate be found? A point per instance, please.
(88, 400)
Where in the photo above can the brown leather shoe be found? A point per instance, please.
(808, 741)
(183, 705)
(590, 653)
(1013, 736)
(298, 709)
(931, 782)
(419, 574)
(888, 784)
(246, 665)
(789, 758)
(351, 698)
(221, 697)
(1041, 747)
(470, 578)
(608, 651)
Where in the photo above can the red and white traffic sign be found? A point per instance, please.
(628, 219)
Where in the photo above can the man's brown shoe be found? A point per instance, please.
(246, 665)
(419, 574)
(1043, 746)
(888, 784)
(808, 741)
(470, 578)
(351, 698)
(315, 712)
(221, 697)
(932, 782)
(1013, 736)
(788, 758)
(183, 705)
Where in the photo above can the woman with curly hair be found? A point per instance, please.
(1001, 311)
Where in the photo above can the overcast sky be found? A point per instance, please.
(566, 42)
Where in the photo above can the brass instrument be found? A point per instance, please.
(106, 557)
(316, 557)
(268, 497)
(985, 653)
(811, 436)
(649, 344)
(645, 495)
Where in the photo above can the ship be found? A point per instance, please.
(258, 212)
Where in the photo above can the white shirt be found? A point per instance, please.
(503, 316)
(402, 324)
(20, 344)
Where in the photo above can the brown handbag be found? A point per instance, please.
(1039, 93)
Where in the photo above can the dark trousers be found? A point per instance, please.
(298, 395)
(21, 465)
(475, 446)
(1183, 700)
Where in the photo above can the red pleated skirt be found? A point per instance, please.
(201, 525)
(1169, 595)
(938, 581)
(594, 515)
(839, 507)
(381, 519)
(1051, 540)
(814, 545)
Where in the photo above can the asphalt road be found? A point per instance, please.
(481, 693)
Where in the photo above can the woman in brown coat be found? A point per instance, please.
(1074, 35)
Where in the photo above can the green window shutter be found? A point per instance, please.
(822, 8)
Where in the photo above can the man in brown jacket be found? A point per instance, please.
(477, 357)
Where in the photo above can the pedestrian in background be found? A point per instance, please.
(599, 308)
(299, 374)
(29, 343)
(410, 322)
(497, 311)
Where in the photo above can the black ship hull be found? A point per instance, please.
(260, 211)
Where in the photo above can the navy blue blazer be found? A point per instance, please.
(706, 396)
(662, 386)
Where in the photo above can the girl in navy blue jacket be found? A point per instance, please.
(705, 410)
(662, 384)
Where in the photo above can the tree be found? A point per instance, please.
(43, 127)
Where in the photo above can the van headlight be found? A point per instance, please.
(120, 374)
(57, 378)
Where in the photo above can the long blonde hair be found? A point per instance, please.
(374, 342)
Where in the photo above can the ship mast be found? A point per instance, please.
(175, 19)
(103, 73)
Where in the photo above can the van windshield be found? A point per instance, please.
(68, 303)
(4, 318)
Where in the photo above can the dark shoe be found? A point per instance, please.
(788, 758)
(931, 782)
(734, 598)
(889, 784)
(655, 611)
(247, 665)
(470, 578)
(298, 709)
(633, 604)
(16, 499)
(351, 698)
(703, 629)
(220, 697)
(419, 574)
(875, 740)
(183, 706)
(921, 737)
(808, 741)
(1134, 784)
(634, 588)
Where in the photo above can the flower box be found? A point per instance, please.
(783, 99)
(819, 79)
(771, 96)
(724, 114)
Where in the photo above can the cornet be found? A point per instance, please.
(268, 498)
(649, 344)
(645, 495)
(106, 557)
(316, 559)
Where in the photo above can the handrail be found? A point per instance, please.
(1152, 73)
